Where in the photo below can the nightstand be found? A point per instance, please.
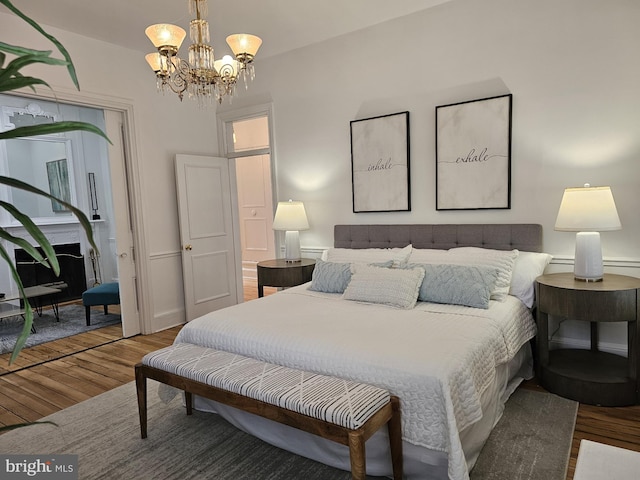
(280, 273)
(589, 375)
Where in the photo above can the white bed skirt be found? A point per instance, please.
(419, 463)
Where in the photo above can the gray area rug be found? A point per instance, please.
(532, 440)
(104, 433)
(72, 321)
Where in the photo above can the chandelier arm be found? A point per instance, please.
(178, 79)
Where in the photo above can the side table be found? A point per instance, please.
(589, 375)
(280, 273)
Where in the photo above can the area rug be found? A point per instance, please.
(532, 440)
(72, 321)
(104, 433)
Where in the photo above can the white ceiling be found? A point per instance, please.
(283, 25)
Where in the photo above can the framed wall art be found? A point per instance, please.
(380, 163)
(473, 154)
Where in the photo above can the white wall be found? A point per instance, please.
(571, 66)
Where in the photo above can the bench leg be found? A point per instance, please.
(395, 438)
(87, 314)
(188, 400)
(106, 309)
(141, 389)
(357, 455)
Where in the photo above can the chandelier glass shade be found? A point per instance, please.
(201, 76)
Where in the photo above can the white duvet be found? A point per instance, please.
(438, 359)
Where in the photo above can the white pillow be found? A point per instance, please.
(390, 286)
(528, 267)
(399, 256)
(427, 255)
(503, 260)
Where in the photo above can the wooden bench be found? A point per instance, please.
(340, 410)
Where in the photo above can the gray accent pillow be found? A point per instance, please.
(330, 277)
(469, 285)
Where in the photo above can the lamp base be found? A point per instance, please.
(292, 246)
(588, 259)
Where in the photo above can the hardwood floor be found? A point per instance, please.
(53, 376)
(617, 426)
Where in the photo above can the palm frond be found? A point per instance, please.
(12, 79)
(28, 311)
(51, 38)
(51, 128)
(84, 221)
(7, 428)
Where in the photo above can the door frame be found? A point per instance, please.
(126, 109)
(224, 122)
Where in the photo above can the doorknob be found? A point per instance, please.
(123, 255)
(188, 247)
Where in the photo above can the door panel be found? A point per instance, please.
(211, 271)
(255, 207)
(206, 233)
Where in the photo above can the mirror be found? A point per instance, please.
(46, 164)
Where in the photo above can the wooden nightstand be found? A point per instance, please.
(279, 273)
(589, 376)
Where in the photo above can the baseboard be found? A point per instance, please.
(249, 270)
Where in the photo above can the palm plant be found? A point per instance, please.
(12, 79)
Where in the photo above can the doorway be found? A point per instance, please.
(99, 177)
(247, 140)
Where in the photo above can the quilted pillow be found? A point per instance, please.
(503, 260)
(399, 256)
(468, 285)
(389, 286)
(330, 277)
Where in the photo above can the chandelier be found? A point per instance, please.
(202, 77)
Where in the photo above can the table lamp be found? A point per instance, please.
(291, 217)
(588, 210)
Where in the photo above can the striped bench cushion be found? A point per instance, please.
(341, 402)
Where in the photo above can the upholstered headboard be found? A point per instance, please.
(525, 237)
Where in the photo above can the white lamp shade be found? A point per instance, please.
(153, 59)
(157, 62)
(241, 43)
(290, 216)
(165, 34)
(588, 209)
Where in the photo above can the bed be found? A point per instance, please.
(421, 310)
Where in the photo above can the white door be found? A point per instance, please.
(125, 253)
(255, 208)
(207, 235)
